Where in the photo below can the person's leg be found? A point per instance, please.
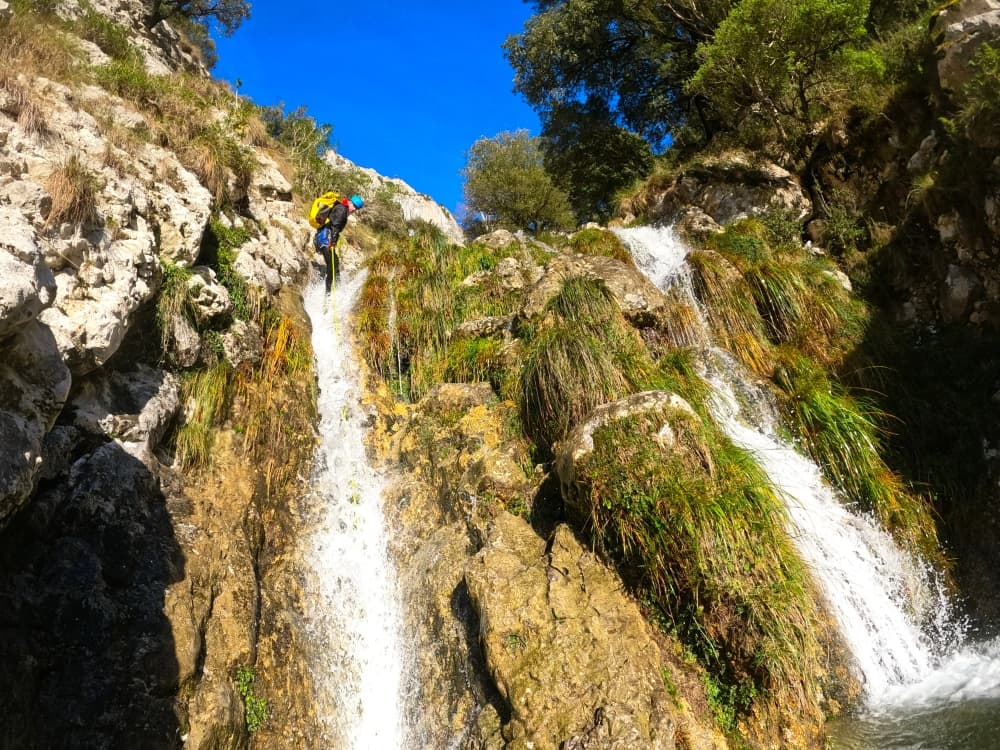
(325, 252)
(336, 265)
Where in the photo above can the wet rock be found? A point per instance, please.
(571, 655)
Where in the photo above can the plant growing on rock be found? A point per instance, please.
(585, 355)
(74, 190)
(697, 531)
(255, 708)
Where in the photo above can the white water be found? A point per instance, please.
(879, 594)
(353, 619)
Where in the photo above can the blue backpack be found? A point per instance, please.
(322, 239)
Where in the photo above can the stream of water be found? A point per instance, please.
(926, 686)
(354, 619)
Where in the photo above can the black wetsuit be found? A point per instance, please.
(327, 245)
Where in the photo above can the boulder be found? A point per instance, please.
(209, 299)
(639, 299)
(95, 306)
(960, 290)
(34, 384)
(959, 31)
(580, 441)
(570, 653)
(132, 407)
(242, 344)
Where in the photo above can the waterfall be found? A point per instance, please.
(878, 593)
(353, 619)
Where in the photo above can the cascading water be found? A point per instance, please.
(354, 621)
(879, 594)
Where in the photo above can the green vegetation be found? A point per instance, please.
(255, 708)
(592, 241)
(506, 185)
(229, 14)
(218, 250)
(109, 36)
(587, 356)
(698, 532)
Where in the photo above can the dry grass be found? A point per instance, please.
(34, 48)
(16, 101)
(74, 189)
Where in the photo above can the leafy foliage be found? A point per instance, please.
(229, 14)
(591, 157)
(770, 59)
(506, 183)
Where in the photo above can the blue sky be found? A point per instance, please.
(407, 86)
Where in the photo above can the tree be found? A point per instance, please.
(507, 185)
(635, 57)
(591, 157)
(770, 58)
(229, 14)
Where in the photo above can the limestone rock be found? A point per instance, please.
(209, 299)
(960, 30)
(95, 306)
(730, 187)
(580, 441)
(570, 653)
(133, 407)
(242, 344)
(493, 325)
(497, 239)
(636, 295)
(34, 384)
(27, 286)
(414, 205)
(961, 288)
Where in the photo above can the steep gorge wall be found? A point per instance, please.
(131, 591)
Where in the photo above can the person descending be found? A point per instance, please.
(331, 221)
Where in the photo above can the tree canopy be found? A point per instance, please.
(591, 157)
(507, 186)
(229, 14)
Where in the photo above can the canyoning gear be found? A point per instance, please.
(357, 201)
(319, 212)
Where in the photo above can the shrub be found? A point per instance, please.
(102, 31)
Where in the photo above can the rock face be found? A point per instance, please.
(729, 187)
(571, 656)
(131, 593)
(414, 205)
(639, 299)
(523, 639)
(960, 30)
